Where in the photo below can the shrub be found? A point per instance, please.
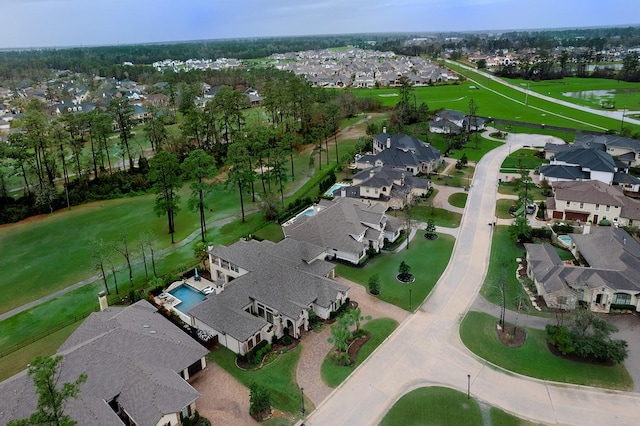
(260, 401)
(544, 233)
(374, 284)
(604, 222)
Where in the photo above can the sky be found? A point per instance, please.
(60, 23)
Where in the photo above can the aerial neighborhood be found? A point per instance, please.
(248, 234)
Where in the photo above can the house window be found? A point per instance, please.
(608, 208)
(260, 311)
(568, 203)
(597, 207)
(621, 299)
(234, 267)
(367, 190)
(269, 317)
(582, 205)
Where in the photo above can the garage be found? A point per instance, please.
(575, 216)
(558, 215)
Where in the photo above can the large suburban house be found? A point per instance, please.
(592, 201)
(402, 152)
(587, 159)
(345, 228)
(386, 185)
(137, 363)
(454, 122)
(264, 290)
(613, 275)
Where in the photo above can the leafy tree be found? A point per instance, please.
(404, 269)
(122, 246)
(156, 130)
(198, 167)
(431, 227)
(52, 398)
(259, 401)
(341, 333)
(374, 284)
(122, 111)
(164, 176)
(99, 258)
(240, 173)
(520, 229)
(145, 240)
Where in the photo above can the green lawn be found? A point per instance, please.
(534, 359)
(457, 178)
(523, 158)
(625, 95)
(502, 265)
(502, 208)
(475, 154)
(279, 377)
(427, 259)
(379, 329)
(433, 406)
(533, 192)
(498, 100)
(441, 217)
(459, 199)
(502, 418)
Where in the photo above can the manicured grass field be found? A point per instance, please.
(279, 377)
(478, 333)
(427, 259)
(441, 217)
(459, 199)
(433, 406)
(475, 154)
(458, 178)
(380, 329)
(533, 192)
(625, 95)
(498, 100)
(502, 265)
(525, 158)
(502, 418)
(502, 208)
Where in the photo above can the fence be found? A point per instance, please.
(44, 334)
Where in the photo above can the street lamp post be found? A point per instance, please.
(468, 386)
(302, 410)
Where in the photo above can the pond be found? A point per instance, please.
(607, 97)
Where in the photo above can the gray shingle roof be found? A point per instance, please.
(285, 276)
(592, 159)
(123, 358)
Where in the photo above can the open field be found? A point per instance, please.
(522, 158)
(587, 91)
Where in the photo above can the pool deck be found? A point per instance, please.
(169, 301)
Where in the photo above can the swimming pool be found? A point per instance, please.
(335, 186)
(188, 297)
(565, 239)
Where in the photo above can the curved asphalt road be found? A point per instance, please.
(426, 350)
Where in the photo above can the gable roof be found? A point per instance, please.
(561, 171)
(133, 354)
(337, 225)
(610, 140)
(588, 191)
(287, 276)
(592, 159)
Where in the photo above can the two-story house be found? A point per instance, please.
(403, 152)
(265, 290)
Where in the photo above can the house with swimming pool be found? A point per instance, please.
(612, 278)
(260, 290)
(345, 228)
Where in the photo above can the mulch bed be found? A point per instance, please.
(508, 338)
(355, 347)
(405, 278)
(431, 237)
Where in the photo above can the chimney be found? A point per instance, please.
(388, 142)
(371, 173)
(384, 129)
(102, 299)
